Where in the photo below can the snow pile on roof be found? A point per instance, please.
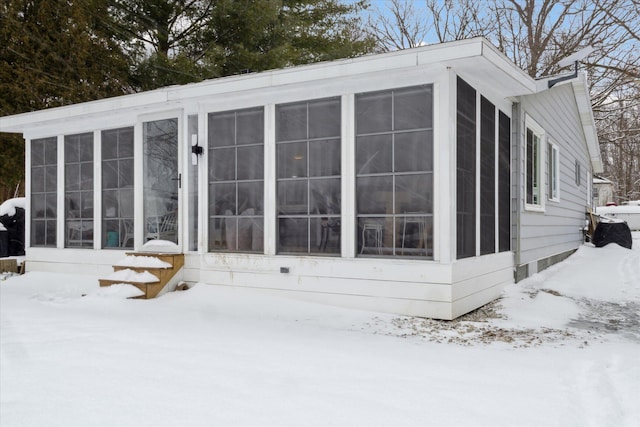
(128, 275)
(628, 213)
(138, 261)
(8, 207)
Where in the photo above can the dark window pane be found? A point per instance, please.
(222, 129)
(71, 149)
(37, 152)
(324, 158)
(413, 151)
(85, 143)
(125, 143)
(324, 237)
(291, 122)
(324, 119)
(251, 198)
(250, 234)
(37, 180)
(250, 127)
(125, 173)
(251, 162)
(504, 183)
(412, 108)
(109, 144)
(292, 160)
(414, 235)
(38, 233)
(222, 164)
(375, 194)
(466, 170)
(223, 198)
(51, 178)
(293, 235)
(72, 177)
(51, 233)
(373, 154)
(293, 197)
(413, 193)
(487, 176)
(325, 196)
(371, 235)
(373, 112)
(86, 176)
(110, 174)
(38, 210)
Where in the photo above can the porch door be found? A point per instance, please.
(161, 180)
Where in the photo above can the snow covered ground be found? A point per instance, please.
(560, 349)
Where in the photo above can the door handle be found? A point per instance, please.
(179, 179)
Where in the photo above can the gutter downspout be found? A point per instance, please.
(516, 132)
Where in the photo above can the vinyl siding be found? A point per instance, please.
(558, 228)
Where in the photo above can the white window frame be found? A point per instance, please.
(553, 169)
(538, 131)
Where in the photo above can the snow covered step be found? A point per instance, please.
(151, 273)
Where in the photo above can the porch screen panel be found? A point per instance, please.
(504, 182)
(117, 188)
(44, 193)
(394, 172)
(465, 170)
(236, 181)
(78, 190)
(308, 158)
(487, 177)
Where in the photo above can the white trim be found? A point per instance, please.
(529, 123)
(555, 150)
(97, 189)
(60, 184)
(270, 195)
(348, 178)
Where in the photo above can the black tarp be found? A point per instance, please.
(612, 232)
(15, 230)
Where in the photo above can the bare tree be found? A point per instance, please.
(536, 35)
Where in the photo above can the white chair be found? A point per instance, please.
(372, 227)
(420, 222)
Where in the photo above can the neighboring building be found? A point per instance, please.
(413, 182)
(602, 191)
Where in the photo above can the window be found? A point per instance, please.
(236, 180)
(553, 165)
(308, 156)
(504, 182)
(394, 172)
(117, 188)
(578, 173)
(534, 141)
(78, 190)
(44, 184)
(465, 170)
(487, 177)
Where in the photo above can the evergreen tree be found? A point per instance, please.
(181, 41)
(52, 53)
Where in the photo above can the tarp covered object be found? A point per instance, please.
(612, 232)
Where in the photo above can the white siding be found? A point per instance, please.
(558, 228)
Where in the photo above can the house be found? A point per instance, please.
(417, 182)
(602, 191)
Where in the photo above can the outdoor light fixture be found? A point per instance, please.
(196, 150)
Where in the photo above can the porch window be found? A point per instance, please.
(534, 141)
(504, 182)
(44, 191)
(553, 165)
(308, 176)
(78, 190)
(487, 177)
(465, 170)
(236, 180)
(117, 188)
(394, 172)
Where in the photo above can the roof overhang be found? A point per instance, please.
(474, 57)
(583, 100)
